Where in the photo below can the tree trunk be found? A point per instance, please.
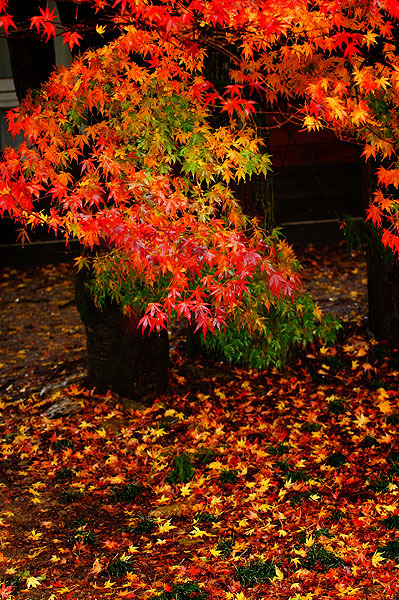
(256, 195)
(119, 357)
(382, 277)
(32, 59)
(383, 294)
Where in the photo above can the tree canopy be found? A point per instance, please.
(124, 148)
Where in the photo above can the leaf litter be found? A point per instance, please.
(235, 485)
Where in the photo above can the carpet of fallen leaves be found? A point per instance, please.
(235, 485)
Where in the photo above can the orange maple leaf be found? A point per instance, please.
(96, 568)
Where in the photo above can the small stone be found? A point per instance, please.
(166, 512)
(63, 407)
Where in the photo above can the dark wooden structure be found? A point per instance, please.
(317, 180)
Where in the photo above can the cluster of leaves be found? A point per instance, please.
(267, 330)
(127, 157)
(122, 147)
(119, 567)
(255, 572)
(81, 534)
(127, 492)
(317, 557)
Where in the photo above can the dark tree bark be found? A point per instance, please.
(382, 276)
(383, 295)
(257, 198)
(256, 195)
(119, 356)
(32, 59)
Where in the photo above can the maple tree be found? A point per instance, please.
(135, 172)
(122, 147)
(126, 153)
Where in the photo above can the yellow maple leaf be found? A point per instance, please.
(165, 527)
(164, 499)
(314, 497)
(101, 432)
(158, 432)
(170, 412)
(310, 540)
(55, 558)
(317, 312)
(185, 489)
(370, 38)
(35, 535)
(377, 558)
(324, 350)
(359, 114)
(32, 582)
(96, 568)
(100, 29)
(311, 123)
(361, 420)
(282, 533)
(196, 532)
